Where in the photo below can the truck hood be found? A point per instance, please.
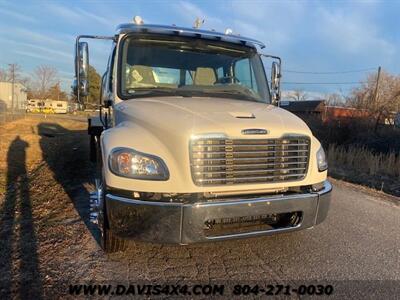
(183, 116)
(163, 127)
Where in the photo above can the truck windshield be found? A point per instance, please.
(155, 66)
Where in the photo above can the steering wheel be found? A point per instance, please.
(228, 79)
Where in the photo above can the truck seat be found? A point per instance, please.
(204, 76)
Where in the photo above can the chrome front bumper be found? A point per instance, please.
(165, 222)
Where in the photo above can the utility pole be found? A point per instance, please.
(58, 91)
(377, 86)
(375, 105)
(12, 68)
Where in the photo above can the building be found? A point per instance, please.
(346, 114)
(318, 110)
(7, 102)
(307, 108)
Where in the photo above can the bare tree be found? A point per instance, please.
(3, 75)
(298, 95)
(14, 72)
(56, 93)
(11, 74)
(380, 102)
(335, 99)
(45, 77)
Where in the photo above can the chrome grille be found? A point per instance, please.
(223, 161)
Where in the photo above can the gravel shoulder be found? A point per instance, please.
(46, 239)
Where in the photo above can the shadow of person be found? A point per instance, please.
(66, 153)
(19, 263)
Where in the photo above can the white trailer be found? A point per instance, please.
(59, 107)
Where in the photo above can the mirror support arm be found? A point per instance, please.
(274, 57)
(279, 75)
(77, 61)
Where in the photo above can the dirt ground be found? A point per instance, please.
(47, 242)
(43, 164)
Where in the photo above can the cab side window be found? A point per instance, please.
(220, 72)
(107, 79)
(111, 70)
(245, 73)
(189, 75)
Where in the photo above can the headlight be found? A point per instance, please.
(127, 162)
(321, 160)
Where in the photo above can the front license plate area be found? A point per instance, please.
(237, 225)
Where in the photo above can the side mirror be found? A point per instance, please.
(81, 84)
(84, 87)
(276, 82)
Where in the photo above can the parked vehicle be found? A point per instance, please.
(59, 107)
(191, 143)
(34, 105)
(47, 106)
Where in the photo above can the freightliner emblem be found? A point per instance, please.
(254, 131)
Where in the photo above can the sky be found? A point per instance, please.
(346, 39)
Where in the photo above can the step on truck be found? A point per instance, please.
(191, 144)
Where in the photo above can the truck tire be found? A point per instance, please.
(112, 243)
(93, 149)
(109, 242)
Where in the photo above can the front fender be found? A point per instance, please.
(134, 136)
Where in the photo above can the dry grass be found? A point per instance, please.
(360, 165)
(360, 154)
(364, 161)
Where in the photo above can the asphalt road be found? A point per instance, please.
(359, 241)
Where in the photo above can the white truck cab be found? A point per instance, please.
(192, 144)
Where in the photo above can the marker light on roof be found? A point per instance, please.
(228, 31)
(197, 23)
(138, 20)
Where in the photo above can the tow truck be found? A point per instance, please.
(191, 143)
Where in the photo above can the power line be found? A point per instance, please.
(326, 72)
(339, 83)
(329, 72)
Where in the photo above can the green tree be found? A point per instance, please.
(94, 87)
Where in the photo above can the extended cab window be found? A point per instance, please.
(190, 67)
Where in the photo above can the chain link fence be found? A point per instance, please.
(9, 116)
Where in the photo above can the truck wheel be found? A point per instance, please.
(93, 149)
(112, 243)
(109, 242)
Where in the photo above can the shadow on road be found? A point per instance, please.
(66, 154)
(19, 263)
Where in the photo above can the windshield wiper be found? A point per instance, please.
(158, 91)
(246, 93)
(151, 89)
